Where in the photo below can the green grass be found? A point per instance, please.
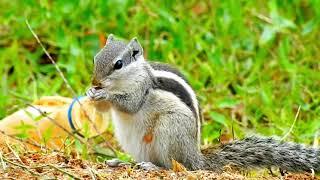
(252, 63)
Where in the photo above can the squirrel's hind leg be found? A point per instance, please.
(179, 144)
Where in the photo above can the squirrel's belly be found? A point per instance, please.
(131, 135)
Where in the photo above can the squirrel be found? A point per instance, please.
(156, 117)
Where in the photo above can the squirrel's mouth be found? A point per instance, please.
(97, 87)
(101, 84)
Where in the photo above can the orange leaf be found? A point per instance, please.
(177, 167)
(102, 40)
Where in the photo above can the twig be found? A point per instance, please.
(64, 129)
(107, 143)
(97, 131)
(47, 172)
(13, 93)
(55, 65)
(292, 125)
(93, 174)
(24, 141)
(2, 162)
(232, 128)
(262, 17)
(55, 122)
(65, 80)
(63, 171)
(315, 140)
(14, 153)
(51, 59)
(60, 73)
(66, 146)
(21, 166)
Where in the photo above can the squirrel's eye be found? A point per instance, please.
(118, 64)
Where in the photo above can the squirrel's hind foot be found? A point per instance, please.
(147, 166)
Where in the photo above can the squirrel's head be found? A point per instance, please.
(117, 64)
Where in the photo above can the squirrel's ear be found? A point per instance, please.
(110, 38)
(136, 47)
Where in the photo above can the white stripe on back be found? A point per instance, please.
(170, 75)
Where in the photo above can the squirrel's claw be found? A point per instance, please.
(90, 93)
(100, 94)
(96, 94)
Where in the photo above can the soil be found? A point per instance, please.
(55, 165)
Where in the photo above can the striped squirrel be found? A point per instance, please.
(156, 117)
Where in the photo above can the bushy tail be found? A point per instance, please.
(254, 152)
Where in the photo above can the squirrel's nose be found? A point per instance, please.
(96, 83)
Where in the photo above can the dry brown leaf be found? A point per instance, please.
(191, 176)
(200, 8)
(102, 39)
(177, 167)
(225, 138)
(41, 164)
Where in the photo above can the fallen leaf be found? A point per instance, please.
(177, 167)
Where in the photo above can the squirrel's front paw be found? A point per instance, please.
(97, 94)
(90, 92)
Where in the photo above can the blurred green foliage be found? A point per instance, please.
(252, 63)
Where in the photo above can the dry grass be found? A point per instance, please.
(56, 165)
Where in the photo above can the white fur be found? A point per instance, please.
(131, 128)
(129, 133)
